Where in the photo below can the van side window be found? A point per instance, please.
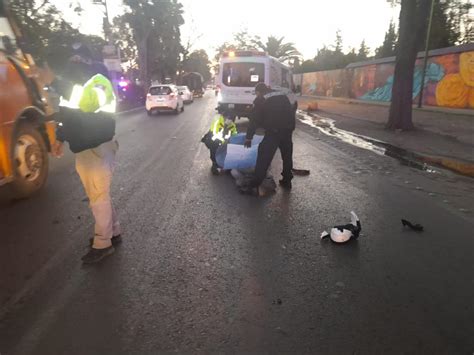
(285, 78)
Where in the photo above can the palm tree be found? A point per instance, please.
(278, 49)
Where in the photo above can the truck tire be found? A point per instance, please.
(30, 160)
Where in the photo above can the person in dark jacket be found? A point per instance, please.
(86, 122)
(274, 113)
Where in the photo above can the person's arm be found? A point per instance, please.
(255, 120)
(233, 129)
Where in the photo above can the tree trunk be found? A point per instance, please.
(143, 59)
(413, 16)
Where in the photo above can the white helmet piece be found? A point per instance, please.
(344, 233)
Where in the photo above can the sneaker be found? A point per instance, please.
(96, 255)
(116, 240)
(286, 184)
(215, 170)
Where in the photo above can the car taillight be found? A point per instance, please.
(172, 96)
(148, 96)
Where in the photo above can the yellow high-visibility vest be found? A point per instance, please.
(218, 127)
(96, 95)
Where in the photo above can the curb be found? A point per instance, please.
(129, 111)
(413, 158)
(453, 111)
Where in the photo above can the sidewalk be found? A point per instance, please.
(440, 132)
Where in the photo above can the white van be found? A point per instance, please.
(241, 71)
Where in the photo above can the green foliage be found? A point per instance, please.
(363, 51)
(154, 26)
(389, 46)
(198, 61)
(274, 46)
(332, 57)
(122, 34)
(451, 26)
(47, 35)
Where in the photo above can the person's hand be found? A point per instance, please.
(57, 150)
(248, 143)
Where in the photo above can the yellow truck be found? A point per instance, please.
(27, 130)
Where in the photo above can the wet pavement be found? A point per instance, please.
(205, 269)
(410, 158)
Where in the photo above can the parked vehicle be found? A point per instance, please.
(162, 98)
(194, 81)
(187, 95)
(241, 71)
(26, 110)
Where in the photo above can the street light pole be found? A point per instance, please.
(425, 59)
(106, 22)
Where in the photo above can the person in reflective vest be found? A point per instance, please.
(86, 122)
(222, 128)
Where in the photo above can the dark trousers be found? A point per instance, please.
(266, 151)
(213, 150)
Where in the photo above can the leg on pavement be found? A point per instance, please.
(286, 150)
(266, 152)
(96, 175)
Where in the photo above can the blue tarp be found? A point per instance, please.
(233, 155)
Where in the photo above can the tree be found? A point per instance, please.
(412, 29)
(338, 43)
(244, 41)
(198, 61)
(49, 37)
(461, 20)
(276, 47)
(307, 66)
(155, 27)
(123, 36)
(389, 46)
(363, 51)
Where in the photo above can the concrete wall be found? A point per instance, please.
(449, 80)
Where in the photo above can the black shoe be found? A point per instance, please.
(116, 240)
(96, 255)
(215, 170)
(247, 190)
(286, 184)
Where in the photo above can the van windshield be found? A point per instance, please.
(243, 74)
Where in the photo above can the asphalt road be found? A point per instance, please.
(205, 269)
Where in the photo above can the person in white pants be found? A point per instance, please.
(86, 122)
(95, 168)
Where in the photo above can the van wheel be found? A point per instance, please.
(30, 161)
(149, 112)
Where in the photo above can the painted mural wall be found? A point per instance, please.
(449, 81)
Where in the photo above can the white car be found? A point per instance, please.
(164, 98)
(187, 95)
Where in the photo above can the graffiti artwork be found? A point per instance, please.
(448, 82)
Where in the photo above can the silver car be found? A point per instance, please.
(187, 95)
(164, 98)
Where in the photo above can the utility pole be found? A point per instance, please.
(425, 59)
(106, 22)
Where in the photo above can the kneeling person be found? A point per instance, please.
(222, 128)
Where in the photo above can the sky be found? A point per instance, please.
(309, 24)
